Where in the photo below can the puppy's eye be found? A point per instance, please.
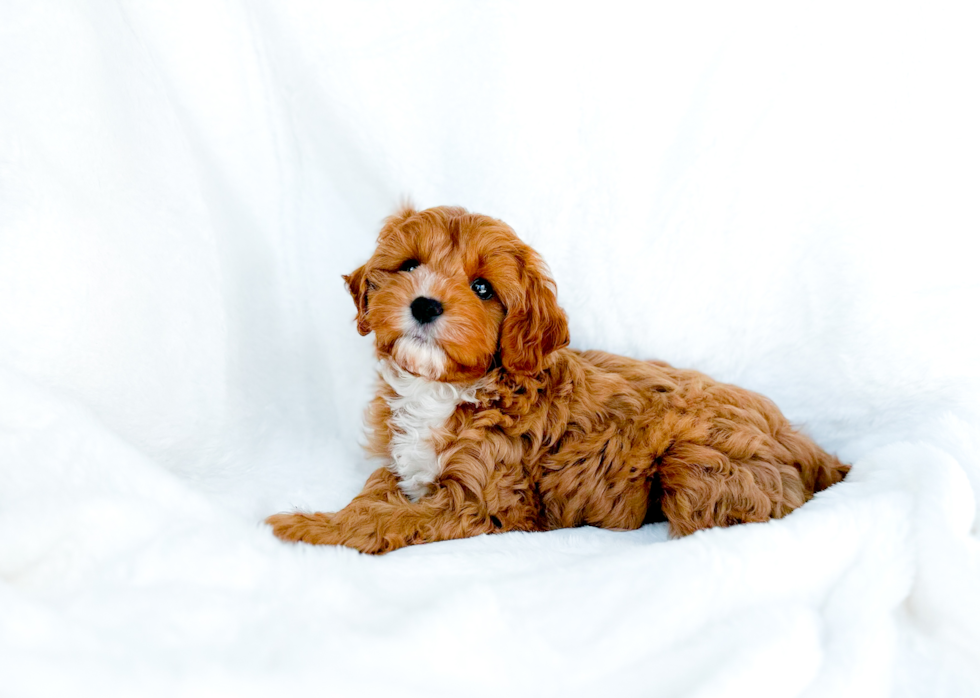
(483, 289)
(409, 265)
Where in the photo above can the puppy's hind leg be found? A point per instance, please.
(701, 487)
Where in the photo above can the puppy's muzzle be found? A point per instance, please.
(425, 310)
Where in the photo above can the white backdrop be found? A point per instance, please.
(783, 198)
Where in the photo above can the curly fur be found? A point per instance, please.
(490, 424)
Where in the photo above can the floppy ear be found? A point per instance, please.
(357, 285)
(535, 326)
(356, 281)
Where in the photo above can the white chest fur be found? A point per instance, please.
(418, 407)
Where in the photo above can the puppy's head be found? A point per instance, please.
(451, 294)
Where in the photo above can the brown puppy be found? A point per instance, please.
(488, 424)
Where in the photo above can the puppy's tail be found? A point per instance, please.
(818, 469)
(829, 472)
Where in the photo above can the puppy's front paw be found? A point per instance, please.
(308, 528)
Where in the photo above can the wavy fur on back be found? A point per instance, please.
(524, 434)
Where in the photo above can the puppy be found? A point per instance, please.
(487, 423)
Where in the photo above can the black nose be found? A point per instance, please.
(425, 310)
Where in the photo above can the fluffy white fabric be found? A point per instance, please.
(783, 198)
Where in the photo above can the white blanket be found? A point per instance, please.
(786, 200)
